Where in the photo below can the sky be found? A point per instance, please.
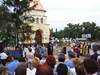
(62, 12)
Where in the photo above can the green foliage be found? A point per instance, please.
(5, 24)
(11, 24)
(76, 31)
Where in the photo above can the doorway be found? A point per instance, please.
(38, 37)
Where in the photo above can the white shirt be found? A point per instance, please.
(26, 51)
(72, 71)
(3, 55)
(31, 72)
(93, 43)
(33, 50)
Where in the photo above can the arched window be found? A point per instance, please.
(37, 20)
(33, 19)
(41, 20)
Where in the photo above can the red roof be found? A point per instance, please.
(38, 5)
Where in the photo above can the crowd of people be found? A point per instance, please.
(40, 60)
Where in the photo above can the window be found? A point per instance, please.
(41, 20)
(37, 20)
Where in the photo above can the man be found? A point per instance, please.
(13, 65)
(3, 58)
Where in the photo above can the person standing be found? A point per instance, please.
(13, 65)
(43, 51)
(50, 49)
(3, 58)
(29, 57)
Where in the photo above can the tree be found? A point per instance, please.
(16, 8)
(76, 30)
(6, 26)
(89, 28)
(97, 33)
(73, 30)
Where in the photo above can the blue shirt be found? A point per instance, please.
(69, 63)
(13, 65)
(17, 53)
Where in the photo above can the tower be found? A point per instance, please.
(39, 26)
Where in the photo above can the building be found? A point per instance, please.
(37, 20)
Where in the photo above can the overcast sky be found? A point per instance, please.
(61, 12)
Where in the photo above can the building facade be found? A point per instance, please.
(37, 20)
